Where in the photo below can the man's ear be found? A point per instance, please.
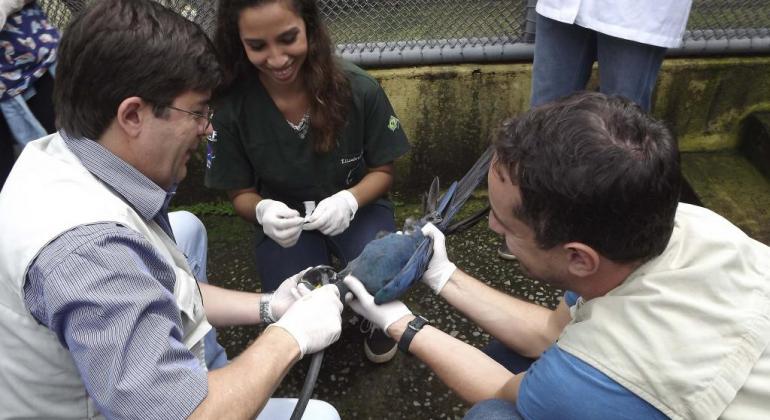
(131, 116)
(583, 260)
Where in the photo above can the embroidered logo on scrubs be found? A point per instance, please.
(393, 123)
(210, 155)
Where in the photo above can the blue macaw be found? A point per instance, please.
(388, 266)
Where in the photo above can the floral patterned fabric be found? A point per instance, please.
(27, 49)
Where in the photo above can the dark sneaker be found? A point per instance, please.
(504, 253)
(378, 347)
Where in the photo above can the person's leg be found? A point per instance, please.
(369, 221)
(564, 55)
(281, 408)
(192, 241)
(276, 263)
(21, 120)
(628, 68)
(511, 360)
(493, 410)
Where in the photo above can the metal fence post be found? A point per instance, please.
(530, 20)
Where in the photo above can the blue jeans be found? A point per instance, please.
(493, 410)
(511, 360)
(564, 56)
(276, 263)
(192, 241)
(29, 115)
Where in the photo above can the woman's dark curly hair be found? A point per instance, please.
(327, 86)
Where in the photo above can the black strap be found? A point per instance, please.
(412, 328)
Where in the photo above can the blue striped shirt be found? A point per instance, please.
(108, 295)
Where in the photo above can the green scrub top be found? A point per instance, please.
(254, 146)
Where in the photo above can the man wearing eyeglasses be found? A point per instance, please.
(100, 313)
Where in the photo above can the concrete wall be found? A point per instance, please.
(450, 112)
(705, 101)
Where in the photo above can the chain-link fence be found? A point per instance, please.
(411, 32)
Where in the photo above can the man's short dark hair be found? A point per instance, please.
(117, 49)
(594, 169)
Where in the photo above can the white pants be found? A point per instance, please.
(281, 409)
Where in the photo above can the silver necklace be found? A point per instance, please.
(301, 127)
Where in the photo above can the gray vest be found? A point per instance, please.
(48, 193)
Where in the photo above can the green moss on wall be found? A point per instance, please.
(729, 184)
(705, 100)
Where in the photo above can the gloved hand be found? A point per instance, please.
(380, 315)
(314, 320)
(440, 268)
(333, 214)
(283, 297)
(279, 222)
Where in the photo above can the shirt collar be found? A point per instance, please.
(145, 196)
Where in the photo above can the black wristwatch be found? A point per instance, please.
(412, 328)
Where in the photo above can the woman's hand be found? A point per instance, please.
(279, 222)
(333, 214)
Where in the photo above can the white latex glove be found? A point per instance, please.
(284, 296)
(440, 269)
(333, 214)
(314, 320)
(363, 304)
(279, 222)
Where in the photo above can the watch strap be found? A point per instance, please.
(412, 329)
(265, 314)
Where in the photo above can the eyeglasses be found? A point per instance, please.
(209, 114)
